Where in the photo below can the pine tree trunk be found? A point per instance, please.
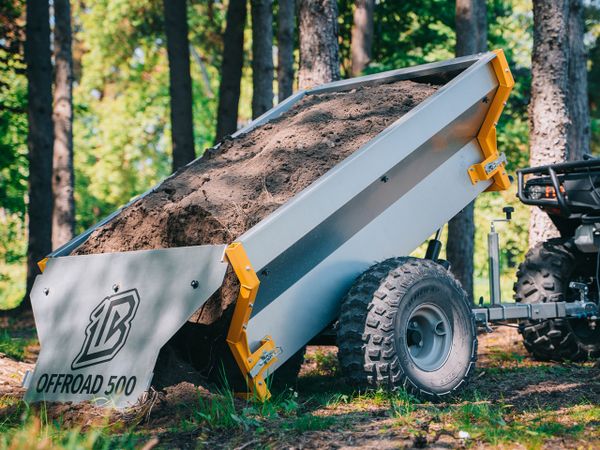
(262, 56)
(579, 130)
(548, 108)
(362, 35)
(285, 49)
(482, 25)
(467, 29)
(471, 37)
(40, 137)
(319, 52)
(180, 82)
(63, 214)
(231, 69)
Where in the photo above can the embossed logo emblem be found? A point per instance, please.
(108, 329)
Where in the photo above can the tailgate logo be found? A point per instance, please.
(108, 329)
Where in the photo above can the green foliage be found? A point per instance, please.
(121, 100)
(311, 422)
(326, 362)
(13, 158)
(14, 347)
(405, 33)
(402, 403)
(223, 411)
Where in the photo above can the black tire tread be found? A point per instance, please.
(366, 353)
(544, 277)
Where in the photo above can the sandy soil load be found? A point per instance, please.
(233, 187)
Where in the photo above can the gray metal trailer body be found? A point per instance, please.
(382, 201)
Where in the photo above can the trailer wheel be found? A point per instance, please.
(543, 277)
(407, 322)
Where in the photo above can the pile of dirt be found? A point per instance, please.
(234, 186)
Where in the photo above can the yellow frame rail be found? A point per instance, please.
(493, 166)
(252, 364)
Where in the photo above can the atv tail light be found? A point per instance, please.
(537, 192)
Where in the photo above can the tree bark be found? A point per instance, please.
(285, 49)
(579, 130)
(231, 69)
(319, 52)
(362, 35)
(63, 214)
(39, 138)
(548, 108)
(180, 82)
(262, 56)
(471, 37)
(467, 26)
(482, 25)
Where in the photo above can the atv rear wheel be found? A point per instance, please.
(544, 277)
(407, 323)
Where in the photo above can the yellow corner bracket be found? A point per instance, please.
(252, 364)
(42, 264)
(493, 166)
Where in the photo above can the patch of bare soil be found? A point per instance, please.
(524, 382)
(11, 376)
(233, 187)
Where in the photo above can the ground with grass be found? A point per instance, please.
(514, 402)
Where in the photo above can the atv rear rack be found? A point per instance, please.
(556, 173)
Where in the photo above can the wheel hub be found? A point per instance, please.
(428, 337)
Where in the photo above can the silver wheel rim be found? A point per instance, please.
(428, 337)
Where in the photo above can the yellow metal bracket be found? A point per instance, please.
(252, 364)
(42, 264)
(493, 166)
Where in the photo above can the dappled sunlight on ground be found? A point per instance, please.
(512, 402)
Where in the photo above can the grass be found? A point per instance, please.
(496, 423)
(12, 284)
(26, 429)
(486, 421)
(310, 422)
(14, 347)
(323, 402)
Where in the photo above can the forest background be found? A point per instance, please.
(121, 124)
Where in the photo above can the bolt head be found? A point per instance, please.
(115, 288)
(46, 291)
(194, 284)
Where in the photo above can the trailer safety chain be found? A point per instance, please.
(493, 166)
(252, 364)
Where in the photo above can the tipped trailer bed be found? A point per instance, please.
(102, 319)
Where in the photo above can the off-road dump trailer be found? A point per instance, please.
(102, 319)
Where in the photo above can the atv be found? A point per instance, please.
(564, 268)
